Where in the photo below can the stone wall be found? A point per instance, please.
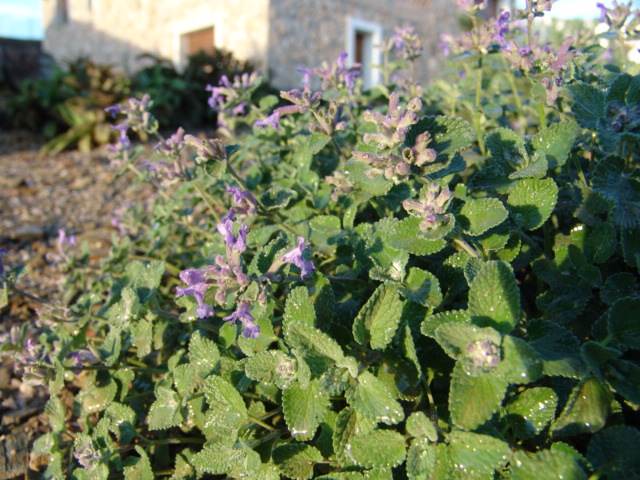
(276, 35)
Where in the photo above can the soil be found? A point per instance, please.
(39, 195)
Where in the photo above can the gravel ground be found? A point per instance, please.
(40, 194)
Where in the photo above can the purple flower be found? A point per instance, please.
(483, 353)
(123, 139)
(272, 120)
(196, 281)
(244, 202)
(502, 28)
(113, 110)
(295, 257)
(251, 330)
(239, 243)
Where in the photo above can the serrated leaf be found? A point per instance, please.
(348, 425)
(623, 323)
(373, 185)
(203, 354)
(304, 409)
(318, 349)
(100, 391)
(379, 448)
(532, 200)
(406, 235)
(622, 376)
(138, 468)
(418, 425)
(55, 414)
(473, 400)
(588, 105)
(610, 181)
(449, 134)
(277, 197)
(494, 298)
(478, 216)
(556, 142)
(600, 243)
(535, 167)
(558, 347)
(474, 455)
(299, 307)
(507, 148)
(371, 398)
(614, 452)
(531, 411)
(378, 319)
(552, 465)
(520, 362)
(123, 422)
(618, 286)
(223, 396)
(270, 366)
(430, 324)
(421, 459)
(165, 412)
(296, 461)
(223, 459)
(586, 410)
(422, 287)
(455, 337)
(472, 268)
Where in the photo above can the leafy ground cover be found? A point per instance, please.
(401, 283)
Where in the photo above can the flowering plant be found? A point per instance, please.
(369, 285)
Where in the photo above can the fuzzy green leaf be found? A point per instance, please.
(520, 363)
(374, 185)
(614, 452)
(431, 323)
(422, 287)
(623, 323)
(223, 396)
(473, 455)
(552, 465)
(299, 307)
(165, 412)
(138, 468)
(600, 243)
(588, 105)
(296, 461)
(531, 411)
(532, 200)
(586, 410)
(535, 167)
(406, 235)
(123, 422)
(317, 348)
(473, 400)
(558, 347)
(618, 286)
(507, 148)
(418, 425)
(378, 448)
(304, 409)
(421, 459)
(277, 197)
(371, 398)
(203, 354)
(449, 134)
(494, 297)
(610, 181)
(556, 142)
(455, 337)
(478, 216)
(348, 425)
(378, 319)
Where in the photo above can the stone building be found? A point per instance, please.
(276, 35)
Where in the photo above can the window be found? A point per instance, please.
(198, 40)
(363, 41)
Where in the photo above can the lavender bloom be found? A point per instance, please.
(559, 61)
(431, 208)
(336, 75)
(393, 127)
(502, 28)
(87, 456)
(206, 149)
(171, 147)
(295, 257)
(250, 329)
(272, 120)
(407, 43)
(233, 243)
(113, 110)
(244, 203)
(483, 353)
(64, 240)
(123, 140)
(196, 281)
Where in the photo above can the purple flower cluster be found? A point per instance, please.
(431, 207)
(483, 353)
(137, 118)
(302, 101)
(392, 127)
(230, 98)
(407, 43)
(296, 257)
(206, 148)
(335, 75)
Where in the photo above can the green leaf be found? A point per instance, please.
(630, 241)
(348, 425)
(531, 411)
(618, 286)
(478, 216)
(552, 465)
(614, 453)
(304, 409)
(494, 297)
(371, 398)
(4, 295)
(406, 235)
(449, 134)
(558, 347)
(100, 391)
(588, 105)
(165, 412)
(535, 167)
(227, 459)
(318, 349)
(123, 422)
(379, 448)
(277, 197)
(473, 455)
(586, 410)
(507, 148)
(556, 142)
(272, 366)
(296, 461)
(623, 323)
(422, 287)
(610, 181)
(418, 425)
(299, 307)
(533, 200)
(622, 376)
(455, 337)
(431, 323)
(600, 243)
(421, 459)
(55, 414)
(138, 468)
(473, 400)
(520, 362)
(378, 319)
(372, 185)
(203, 355)
(223, 396)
